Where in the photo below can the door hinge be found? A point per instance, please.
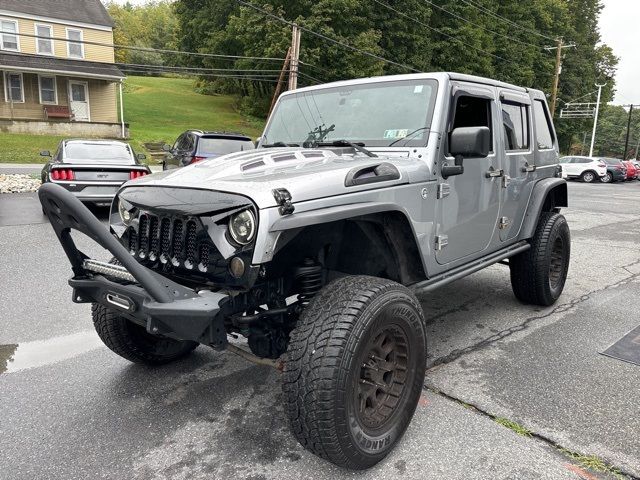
(504, 223)
(444, 189)
(441, 241)
(528, 168)
(506, 180)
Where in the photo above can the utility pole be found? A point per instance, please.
(295, 57)
(556, 80)
(626, 142)
(285, 67)
(595, 120)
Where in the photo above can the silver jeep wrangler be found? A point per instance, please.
(312, 246)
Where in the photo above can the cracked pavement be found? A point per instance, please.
(79, 411)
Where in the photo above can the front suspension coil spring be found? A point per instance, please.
(309, 277)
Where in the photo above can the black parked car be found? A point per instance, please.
(616, 170)
(195, 145)
(93, 170)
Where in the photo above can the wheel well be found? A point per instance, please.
(381, 245)
(556, 197)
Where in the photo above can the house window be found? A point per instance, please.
(48, 91)
(75, 48)
(8, 38)
(13, 88)
(44, 42)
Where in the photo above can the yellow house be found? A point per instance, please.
(57, 67)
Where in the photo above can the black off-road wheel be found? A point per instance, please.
(354, 370)
(133, 342)
(538, 275)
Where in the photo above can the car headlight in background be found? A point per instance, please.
(242, 227)
(127, 212)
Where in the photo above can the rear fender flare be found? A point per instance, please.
(548, 194)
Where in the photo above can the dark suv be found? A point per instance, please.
(616, 170)
(195, 145)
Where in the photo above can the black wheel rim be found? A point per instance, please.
(383, 377)
(557, 263)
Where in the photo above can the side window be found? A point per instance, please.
(473, 112)
(515, 121)
(544, 132)
(189, 143)
(177, 145)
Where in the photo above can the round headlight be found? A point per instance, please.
(126, 214)
(242, 227)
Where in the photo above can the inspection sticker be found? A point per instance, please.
(399, 133)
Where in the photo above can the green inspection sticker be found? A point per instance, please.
(399, 133)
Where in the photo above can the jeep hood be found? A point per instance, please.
(306, 173)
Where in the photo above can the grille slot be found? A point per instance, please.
(165, 240)
(153, 238)
(143, 235)
(190, 250)
(178, 243)
(133, 241)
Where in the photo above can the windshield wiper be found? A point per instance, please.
(346, 143)
(408, 136)
(279, 144)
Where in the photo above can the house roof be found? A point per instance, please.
(62, 66)
(84, 11)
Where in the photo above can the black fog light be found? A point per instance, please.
(236, 267)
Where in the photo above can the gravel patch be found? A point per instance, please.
(18, 183)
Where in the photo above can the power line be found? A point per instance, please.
(442, 33)
(143, 49)
(231, 77)
(489, 12)
(329, 39)
(203, 69)
(460, 17)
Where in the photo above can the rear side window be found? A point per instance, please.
(222, 146)
(544, 132)
(515, 119)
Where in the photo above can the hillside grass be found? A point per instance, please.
(157, 110)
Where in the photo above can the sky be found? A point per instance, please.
(618, 27)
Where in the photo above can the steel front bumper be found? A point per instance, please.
(136, 292)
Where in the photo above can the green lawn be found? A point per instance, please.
(157, 109)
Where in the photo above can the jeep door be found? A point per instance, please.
(518, 163)
(468, 204)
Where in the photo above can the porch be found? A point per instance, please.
(58, 96)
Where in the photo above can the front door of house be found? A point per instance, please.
(79, 100)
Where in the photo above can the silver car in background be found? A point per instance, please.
(93, 170)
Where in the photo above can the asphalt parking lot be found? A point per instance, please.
(70, 409)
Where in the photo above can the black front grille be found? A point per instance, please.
(179, 243)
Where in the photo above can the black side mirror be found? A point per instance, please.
(141, 156)
(45, 153)
(467, 142)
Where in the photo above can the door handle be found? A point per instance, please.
(494, 173)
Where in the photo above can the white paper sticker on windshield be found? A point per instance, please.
(400, 133)
(417, 89)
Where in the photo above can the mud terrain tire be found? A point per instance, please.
(354, 370)
(538, 275)
(133, 342)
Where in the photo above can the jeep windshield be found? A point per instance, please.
(371, 114)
